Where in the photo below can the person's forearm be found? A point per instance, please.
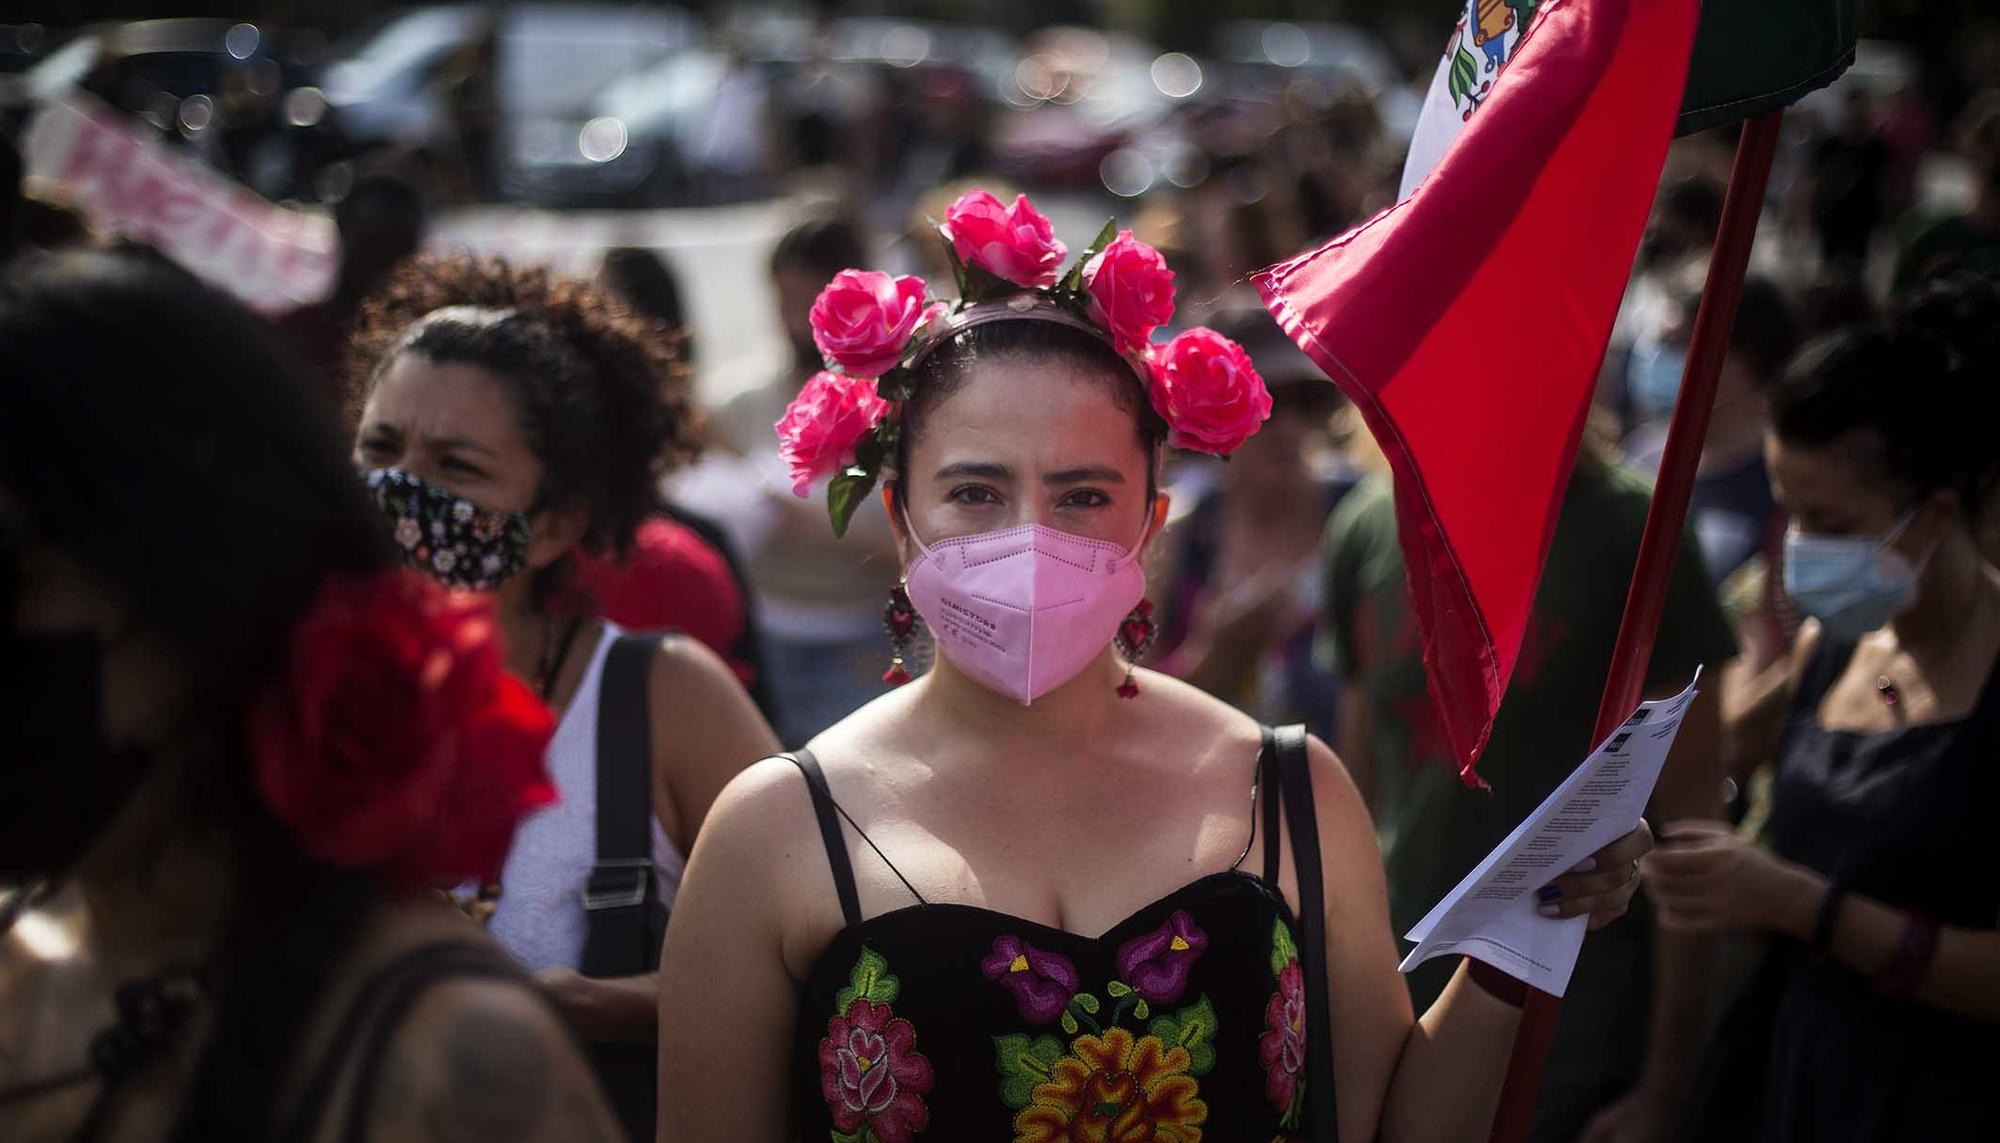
(1447, 1083)
(622, 1010)
(1683, 970)
(1684, 963)
(1963, 975)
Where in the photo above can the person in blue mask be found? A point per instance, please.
(1876, 1014)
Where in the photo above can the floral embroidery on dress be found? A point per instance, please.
(1109, 1081)
(1115, 1086)
(1042, 982)
(871, 1073)
(1281, 1049)
(1156, 965)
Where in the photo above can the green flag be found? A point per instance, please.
(1754, 56)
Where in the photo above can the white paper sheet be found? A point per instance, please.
(1491, 915)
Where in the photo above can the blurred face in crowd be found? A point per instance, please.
(55, 596)
(797, 287)
(1277, 459)
(1076, 465)
(458, 426)
(86, 690)
(1741, 409)
(1843, 490)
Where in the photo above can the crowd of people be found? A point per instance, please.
(439, 726)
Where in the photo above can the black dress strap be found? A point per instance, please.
(829, 833)
(1295, 783)
(373, 1018)
(1272, 791)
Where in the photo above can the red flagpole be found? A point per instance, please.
(1664, 522)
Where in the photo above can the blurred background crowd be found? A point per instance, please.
(716, 163)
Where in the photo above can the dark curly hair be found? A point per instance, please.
(603, 393)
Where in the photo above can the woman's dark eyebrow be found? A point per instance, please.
(1090, 473)
(459, 444)
(986, 470)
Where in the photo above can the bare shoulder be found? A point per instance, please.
(762, 820)
(485, 1061)
(685, 671)
(1189, 720)
(1350, 856)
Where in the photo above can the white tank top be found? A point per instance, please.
(540, 916)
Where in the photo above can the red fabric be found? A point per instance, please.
(1467, 323)
(674, 580)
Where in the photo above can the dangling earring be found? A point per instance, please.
(899, 618)
(1135, 638)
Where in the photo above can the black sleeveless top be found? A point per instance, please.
(1184, 1021)
(1903, 817)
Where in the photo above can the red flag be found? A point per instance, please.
(1467, 323)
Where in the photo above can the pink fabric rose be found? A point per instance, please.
(1208, 392)
(1015, 243)
(823, 424)
(1131, 290)
(864, 318)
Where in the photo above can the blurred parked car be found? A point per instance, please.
(243, 96)
(1079, 96)
(409, 82)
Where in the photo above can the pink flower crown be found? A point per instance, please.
(873, 329)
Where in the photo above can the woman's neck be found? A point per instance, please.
(1057, 725)
(1948, 597)
(524, 628)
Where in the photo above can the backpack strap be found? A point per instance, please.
(621, 934)
(1295, 780)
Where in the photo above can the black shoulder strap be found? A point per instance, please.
(467, 961)
(1295, 780)
(830, 835)
(620, 896)
(377, 1010)
(1268, 791)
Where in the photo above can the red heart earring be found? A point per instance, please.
(899, 618)
(1135, 638)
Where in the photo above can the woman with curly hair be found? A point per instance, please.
(508, 421)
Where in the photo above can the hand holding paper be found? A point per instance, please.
(1493, 914)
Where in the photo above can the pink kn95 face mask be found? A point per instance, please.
(1025, 609)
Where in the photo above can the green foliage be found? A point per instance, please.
(1192, 1028)
(871, 980)
(1023, 1064)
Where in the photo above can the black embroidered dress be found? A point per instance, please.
(1185, 1021)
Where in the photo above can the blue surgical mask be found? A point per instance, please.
(1653, 379)
(1851, 584)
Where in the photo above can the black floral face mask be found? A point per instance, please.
(447, 536)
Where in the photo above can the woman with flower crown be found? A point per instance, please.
(1039, 893)
(243, 748)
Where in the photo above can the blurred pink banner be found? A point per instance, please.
(129, 182)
